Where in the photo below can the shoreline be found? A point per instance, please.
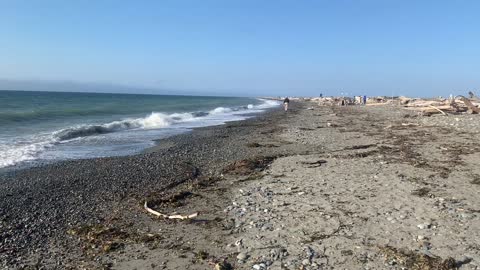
(52, 190)
(9, 170)
(319, 187)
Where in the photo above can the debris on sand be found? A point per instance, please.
(421, 192)
(102, 238)
(223, 266)
(253, 145)
(172, 200)
(314, 164)
(417, 261)
(473, 109)
(249, 166)
(256, 145)
(458, 104)
(360, 147)
(476, 179)
(158, 214)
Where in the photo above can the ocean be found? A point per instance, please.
(42, 127)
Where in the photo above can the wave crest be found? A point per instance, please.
(220, 110)
(154, 120)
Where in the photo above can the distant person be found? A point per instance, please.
(285, 103)
(364, 100)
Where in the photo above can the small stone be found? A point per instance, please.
(223, 266)
(256, 267)
(242, 256)
(306, 262)
(464, 260)
(466, 216)
(426, 245)
(423, 226)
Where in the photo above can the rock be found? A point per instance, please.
(242, 256)
(464, 260)
(239, 242)
(223, 266)
(306, 262)
(423, 226)
(466, 216)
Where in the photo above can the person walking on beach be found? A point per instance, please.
(285, 103)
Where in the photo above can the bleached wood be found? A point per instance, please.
(158, 214)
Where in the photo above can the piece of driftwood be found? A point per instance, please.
(433, 107)
(447, 108)
(410, 125)
(405, 100)
(158, 214)
(425, 103)
(471, 108)
(314, 164)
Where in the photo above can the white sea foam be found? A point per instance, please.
(267, 103)
(11, 154)
(220, 110)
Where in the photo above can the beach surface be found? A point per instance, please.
(318, 187)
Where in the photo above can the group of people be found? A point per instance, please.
(358, 99)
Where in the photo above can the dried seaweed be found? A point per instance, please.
(417, 261)
(249, 166)
(421, 192)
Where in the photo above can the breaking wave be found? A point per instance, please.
(154, 120)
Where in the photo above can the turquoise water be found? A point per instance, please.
(48, 126)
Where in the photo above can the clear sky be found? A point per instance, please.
(247, 47)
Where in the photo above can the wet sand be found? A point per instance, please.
(327, 188)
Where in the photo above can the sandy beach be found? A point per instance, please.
(318, 187)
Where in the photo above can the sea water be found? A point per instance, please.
(40, 127)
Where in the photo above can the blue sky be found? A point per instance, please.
(246, 47)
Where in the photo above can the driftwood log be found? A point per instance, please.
(453, 105)
(471, 108)
(433, 107)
